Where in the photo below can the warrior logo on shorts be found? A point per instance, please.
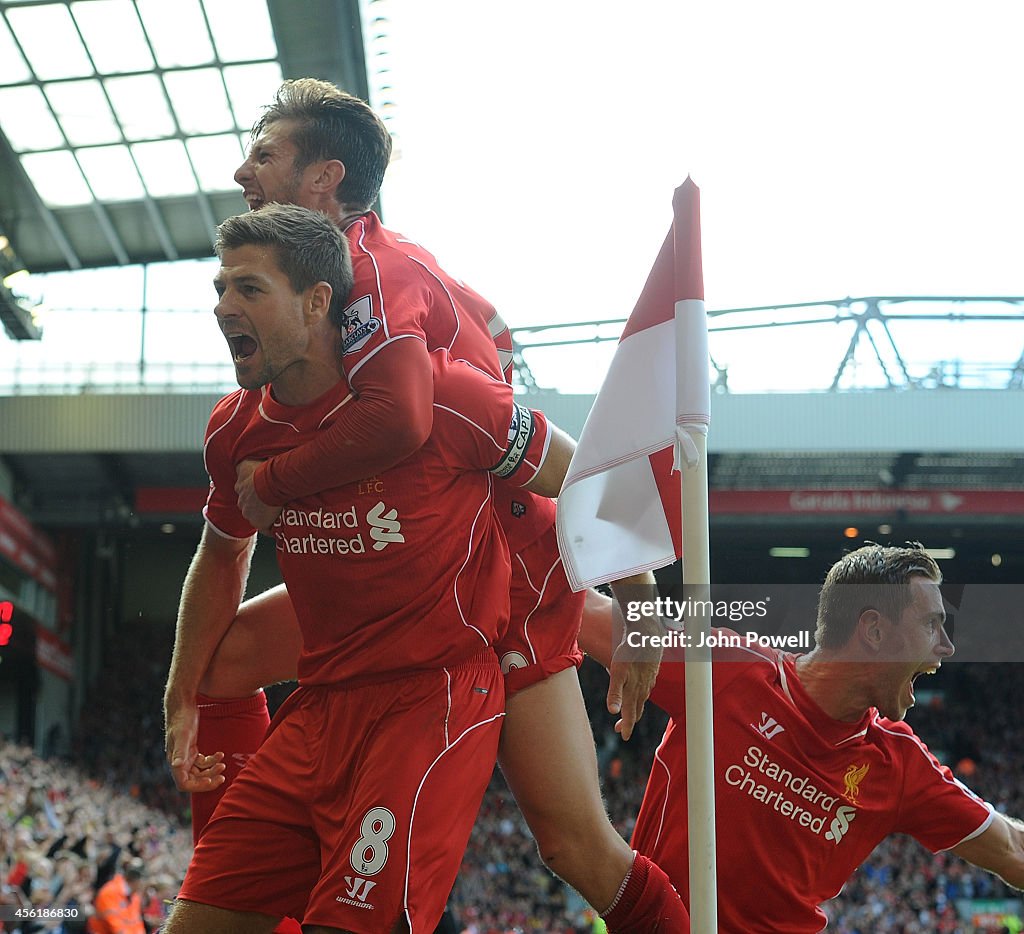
(518, 509)
(358, 323)
(357, 888)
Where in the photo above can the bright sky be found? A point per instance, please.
(841, 149)
(858, 149)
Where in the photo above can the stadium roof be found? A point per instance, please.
(122, 121)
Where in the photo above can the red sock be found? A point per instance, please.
(235, 726)
(647, 903)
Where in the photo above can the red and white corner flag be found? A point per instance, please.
(619, 509)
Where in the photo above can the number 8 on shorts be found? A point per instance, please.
(370, 852)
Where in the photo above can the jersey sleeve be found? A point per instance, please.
(937, 809)
(391, 299)
(221, 509)
(472, 411)
(529, 437)
(479, 426)
(390, 419)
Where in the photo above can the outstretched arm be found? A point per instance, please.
(999, 849)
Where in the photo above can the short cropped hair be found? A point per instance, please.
(872, 577)
(308, 246)
(333, 124)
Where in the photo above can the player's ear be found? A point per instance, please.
(870, 631)
(330, 174)
(318, 302)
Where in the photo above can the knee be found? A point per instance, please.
(558, 845)
(589, 840)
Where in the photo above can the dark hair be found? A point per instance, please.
(333, 124)
(308, 246)
(134, 869)
(874, 576)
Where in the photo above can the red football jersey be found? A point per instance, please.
(801, 799)
(401, 291)
(403, 571)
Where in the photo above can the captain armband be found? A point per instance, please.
(520, 433)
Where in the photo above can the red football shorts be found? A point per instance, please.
(379, 785)
(541, 638)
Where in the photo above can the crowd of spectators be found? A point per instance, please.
(66, 826)
(64, 834)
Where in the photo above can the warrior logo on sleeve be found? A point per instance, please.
(358, 323)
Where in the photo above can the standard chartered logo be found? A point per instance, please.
(840, 823)
(384, 527)
(792, 796)
(321, 532)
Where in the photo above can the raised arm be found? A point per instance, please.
(999, 849)
(210, 597)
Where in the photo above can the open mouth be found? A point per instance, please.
(242, 347)
(931, 670)
(254, 202)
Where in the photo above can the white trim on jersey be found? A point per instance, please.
(376, 350)
(540, 599)
(540, 462)
(376, 272)
(210, 437)
(344, 401)
(455, 307)
(206, 444)
(780, 665)
(975, 833)
(486, 503)
(275, 421)
(496, 326)
(668, 788)
(499, 445)
(222, 534)
(947, 779)
(849, 739)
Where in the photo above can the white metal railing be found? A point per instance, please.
(846, 344)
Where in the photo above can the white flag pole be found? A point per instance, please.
(700, 749)
(693, 407)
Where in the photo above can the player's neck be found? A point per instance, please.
(841, 687)
(308, 379)
(340, 214)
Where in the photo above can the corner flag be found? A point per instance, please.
(619, 509)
